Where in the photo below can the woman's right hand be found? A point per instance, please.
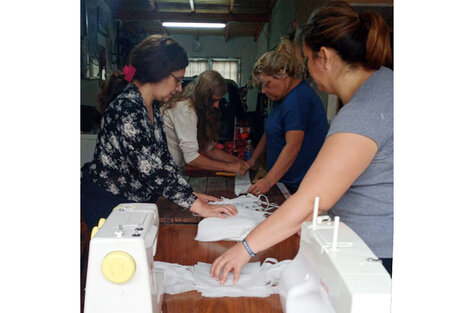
(231, 260)
(239, 166)
(205, 209)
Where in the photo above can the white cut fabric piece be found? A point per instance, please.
(177, 278)
(242, 183)
(254, 281)
(251, 211)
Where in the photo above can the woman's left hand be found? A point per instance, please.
(205, 198)
(260, 187)
(231, 260)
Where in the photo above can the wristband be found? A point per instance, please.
(250, 252)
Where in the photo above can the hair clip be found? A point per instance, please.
(129, 72)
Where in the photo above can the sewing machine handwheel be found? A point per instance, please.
(118, 267)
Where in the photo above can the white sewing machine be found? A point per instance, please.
(120, 275)
(334, 272)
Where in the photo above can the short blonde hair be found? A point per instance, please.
(285, 60)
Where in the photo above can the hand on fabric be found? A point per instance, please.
(239, 166)
(262, 186)
(206, 198)
(205, 209)
(231, 260)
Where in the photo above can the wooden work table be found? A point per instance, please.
(208, 183)
(176, 244)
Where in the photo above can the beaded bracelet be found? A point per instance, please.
(250, 252)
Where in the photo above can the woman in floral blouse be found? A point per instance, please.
(131, 162)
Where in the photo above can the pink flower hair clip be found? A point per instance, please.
(129, 72)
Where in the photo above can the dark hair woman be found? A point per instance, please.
(353, 174)
(131, 162)
(192, 126)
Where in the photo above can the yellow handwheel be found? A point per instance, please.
(118, 267)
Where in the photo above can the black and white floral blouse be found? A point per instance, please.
(131, 157)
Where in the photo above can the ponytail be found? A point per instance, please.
(110, 89)
(294, 65)
(378, 50)
(359, 39)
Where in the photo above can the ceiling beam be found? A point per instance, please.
(192, 17)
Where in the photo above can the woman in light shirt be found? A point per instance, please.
(191, 122)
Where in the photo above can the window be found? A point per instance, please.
(196, 67)
(229, 68)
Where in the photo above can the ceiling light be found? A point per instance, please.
(193, 25)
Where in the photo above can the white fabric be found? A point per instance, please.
(242, 183)
(251, 211)
(177, 278)
(254, 281)
(180, 123)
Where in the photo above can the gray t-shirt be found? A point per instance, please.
(367, 206)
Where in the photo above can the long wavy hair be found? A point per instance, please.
(200, 93)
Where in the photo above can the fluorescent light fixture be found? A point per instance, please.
(193, 25)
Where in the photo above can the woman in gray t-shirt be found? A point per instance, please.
(353, 173)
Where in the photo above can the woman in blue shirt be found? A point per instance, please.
(296, 127)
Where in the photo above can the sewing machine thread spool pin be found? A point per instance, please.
(335, 234)
(315, 213)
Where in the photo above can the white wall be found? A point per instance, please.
(282, 16)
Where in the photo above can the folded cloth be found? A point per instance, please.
(254, 281)
(251, 211)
